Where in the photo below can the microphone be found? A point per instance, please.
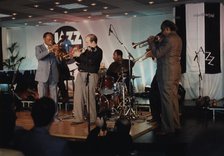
(110, 30)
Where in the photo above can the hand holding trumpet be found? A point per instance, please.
(54, 48)
(148, 53)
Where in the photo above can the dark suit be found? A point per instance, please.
(47, 72)
(168, 76)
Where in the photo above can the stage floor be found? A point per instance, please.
(66, 129)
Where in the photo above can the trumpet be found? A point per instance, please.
(141, 58)
(155, 39)
(140, 44)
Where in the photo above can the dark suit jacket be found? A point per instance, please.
(38, 142)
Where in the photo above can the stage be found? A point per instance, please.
(66, 129)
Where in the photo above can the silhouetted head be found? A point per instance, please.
(43, 111)
(123, 125)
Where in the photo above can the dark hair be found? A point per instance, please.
(43, 111)
(48, 33)
(168, 24)
(123, 125)
(92, 37)
(119, 52)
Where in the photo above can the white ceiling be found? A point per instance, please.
(26, 13)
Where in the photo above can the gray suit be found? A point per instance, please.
(168, 77)
(47, 72)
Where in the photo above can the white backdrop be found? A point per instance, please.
(212, 85)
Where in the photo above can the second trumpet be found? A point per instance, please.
(140, 44)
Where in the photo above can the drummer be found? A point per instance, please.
(119, 68)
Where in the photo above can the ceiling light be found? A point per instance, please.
(55, 20)
(151, 2)
(89, 17)
(105, 7)
(79, 0)
(72, 6)
(107, 15)
(57, 3)
(85, 10)
(65, 12)
(51, 9)
(30, 16)
(93, 4)
(126, 13)
(36, 6)
(14, 14)
(175, 0)
(40, 22)
(13, 18)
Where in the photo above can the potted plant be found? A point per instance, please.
(14, 60)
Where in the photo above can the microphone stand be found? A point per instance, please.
(88, 103)
(199, 75)
(130, 109)
(14, 78)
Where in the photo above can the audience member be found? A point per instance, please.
(7, 120)
(117, 141)
(7, 125)
(38, 141)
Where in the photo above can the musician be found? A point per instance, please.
(64, 73)
(47, 72)
(120, 66)
(65, 43)
(87, 79)
(168, 73)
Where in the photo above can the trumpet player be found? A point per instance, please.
(86, 80)
(47, 74)
(167, 52)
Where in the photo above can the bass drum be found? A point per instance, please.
(103, 105)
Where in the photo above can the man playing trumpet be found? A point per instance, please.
(168, 73)
(47, 74)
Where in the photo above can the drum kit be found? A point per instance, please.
(112, 96)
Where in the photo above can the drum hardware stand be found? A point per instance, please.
(130, 109)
